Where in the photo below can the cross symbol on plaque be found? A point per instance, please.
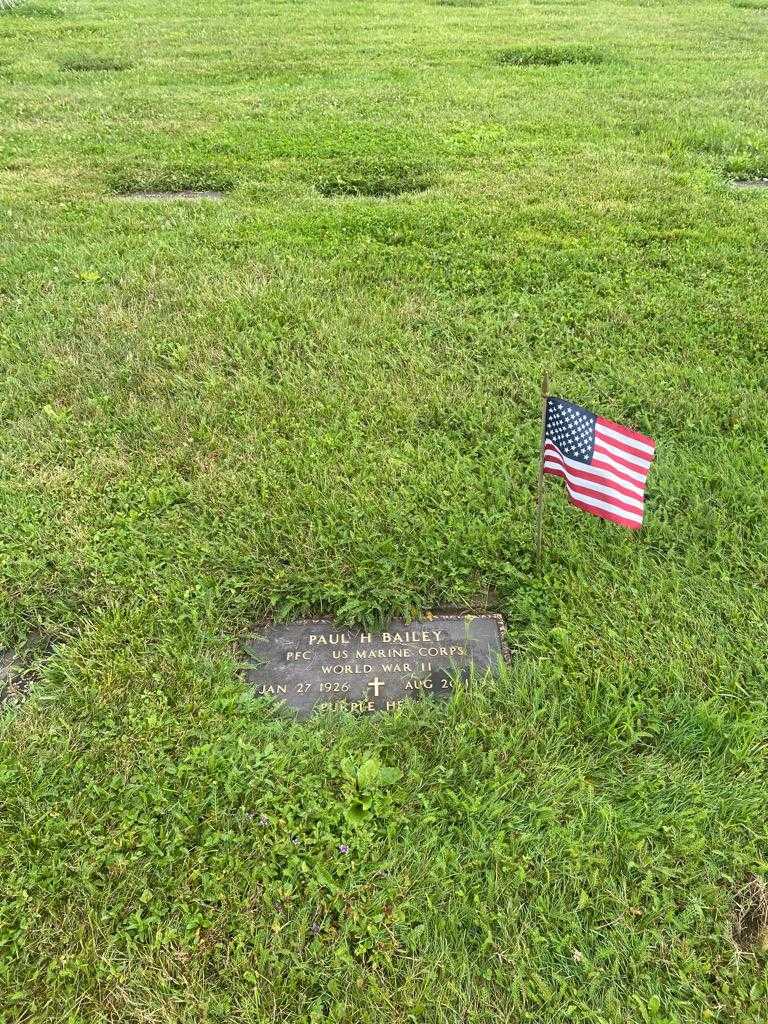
(376, 683)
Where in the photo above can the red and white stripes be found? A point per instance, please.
(612, 484)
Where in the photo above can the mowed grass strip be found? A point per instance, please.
(321, 396)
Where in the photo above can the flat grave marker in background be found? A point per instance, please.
(749, 183)
(314, 664)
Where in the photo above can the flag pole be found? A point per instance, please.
(540, 491)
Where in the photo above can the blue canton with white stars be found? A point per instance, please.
(571, 428)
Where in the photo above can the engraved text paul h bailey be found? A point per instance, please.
(314, 664)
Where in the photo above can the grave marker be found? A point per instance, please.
(314, 664)
(749, 183)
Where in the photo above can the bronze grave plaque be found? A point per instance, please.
(314, 664)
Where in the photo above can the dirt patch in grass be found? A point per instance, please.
(95, 64)
(374, 180)
(549, 56)
(169, 195)
(749, 921)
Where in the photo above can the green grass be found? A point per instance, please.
(550, 56)
(94, 64)
(373, 178)
(321, 395)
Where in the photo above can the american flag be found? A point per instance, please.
(604, 465)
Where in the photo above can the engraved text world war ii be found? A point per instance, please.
(315, 664)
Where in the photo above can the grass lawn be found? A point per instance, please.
(319, 394)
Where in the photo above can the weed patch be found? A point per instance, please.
(23, 10)
(549, 56)
(95, 64)
(375, 181)
(751, 5)
(169, 196)
(191, 182)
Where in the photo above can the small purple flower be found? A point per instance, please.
(263, 820)
(295, 840)
(343, 848)
(315, 928)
